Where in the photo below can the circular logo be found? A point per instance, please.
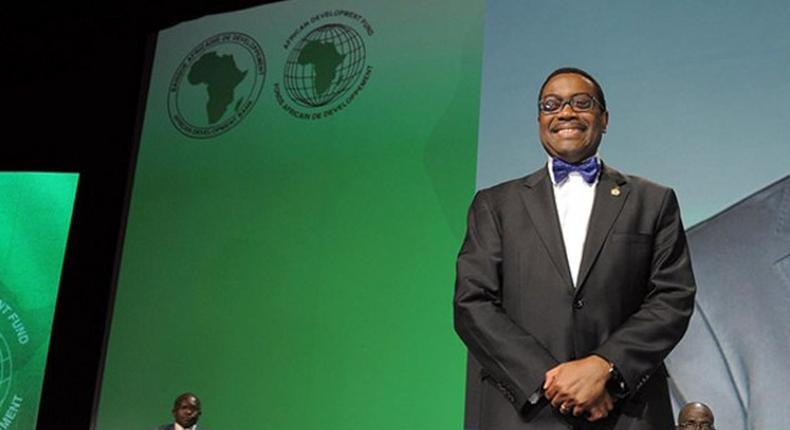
(324, 65)
(6, 369)
(216, 85)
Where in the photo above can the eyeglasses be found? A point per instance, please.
(693, 425)
(581, 102)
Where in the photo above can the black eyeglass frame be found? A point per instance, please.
(696, 425)
(569, 101)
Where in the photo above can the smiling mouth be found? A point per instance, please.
(569, 127)
(569, 131)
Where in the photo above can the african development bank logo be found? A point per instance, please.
(326, 67)
(216, 85)
(13, 337)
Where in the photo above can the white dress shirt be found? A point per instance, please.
(574, 199)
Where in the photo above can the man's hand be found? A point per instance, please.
(599, 409)
(580, 385)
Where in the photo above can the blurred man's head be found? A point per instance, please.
(186, 410)
(695, 416)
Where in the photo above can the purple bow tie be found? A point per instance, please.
(587, 168)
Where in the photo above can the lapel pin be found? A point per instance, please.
(615, 191)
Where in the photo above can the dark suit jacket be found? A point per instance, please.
(519, 314)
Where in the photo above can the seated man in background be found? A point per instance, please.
(186, 411)
(695, 416)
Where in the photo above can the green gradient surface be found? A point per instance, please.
(298, 273)
(35, 215)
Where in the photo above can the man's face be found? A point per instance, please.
(695, 417)
(569, 135)
(187, 411)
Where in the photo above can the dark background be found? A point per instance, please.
(74, 77)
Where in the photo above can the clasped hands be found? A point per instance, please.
(580, 386)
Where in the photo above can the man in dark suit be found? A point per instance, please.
(574, 282)
(186, 411)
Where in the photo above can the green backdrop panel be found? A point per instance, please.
(299, 198)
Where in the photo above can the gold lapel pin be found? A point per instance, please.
(615, 191)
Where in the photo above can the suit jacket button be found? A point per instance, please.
(578, 304)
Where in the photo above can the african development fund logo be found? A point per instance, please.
(13, 338)
(326, 66)
(216, 85)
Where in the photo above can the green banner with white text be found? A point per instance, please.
(35, 215)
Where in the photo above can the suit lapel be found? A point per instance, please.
(610, 196)
(538, 197)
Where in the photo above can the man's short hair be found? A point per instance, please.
(183, 396)
(576, 71)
